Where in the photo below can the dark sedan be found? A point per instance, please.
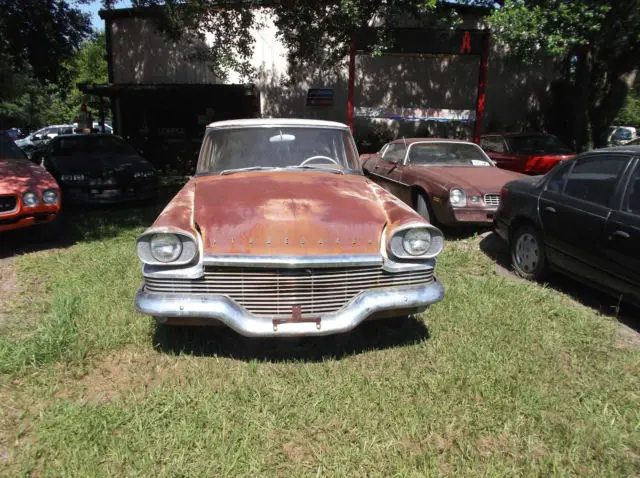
(99, 168)
(582, 218)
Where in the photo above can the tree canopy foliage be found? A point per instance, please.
(35, 102)
(598, 42)
(37, 35)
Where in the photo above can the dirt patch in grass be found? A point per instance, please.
(8, 289)
(627, 337)
(125, 372)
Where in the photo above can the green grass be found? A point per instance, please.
(501, 378)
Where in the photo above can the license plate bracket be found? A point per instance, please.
(296, 318)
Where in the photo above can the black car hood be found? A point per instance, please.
(99, 164)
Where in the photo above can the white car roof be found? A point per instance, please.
(257, 122)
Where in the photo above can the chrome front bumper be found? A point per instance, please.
(226, 311)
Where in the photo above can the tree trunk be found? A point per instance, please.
(606, 109)
(583, 81)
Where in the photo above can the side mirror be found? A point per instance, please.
(394, 162)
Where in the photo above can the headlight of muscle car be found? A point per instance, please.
(50, 197)
(416, 242)
(30, 199)
(457, 197)
(160, 248)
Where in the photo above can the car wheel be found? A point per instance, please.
(527, 253)
(422, 207)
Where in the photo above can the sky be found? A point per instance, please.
(94, 7)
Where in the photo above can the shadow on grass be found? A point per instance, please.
(462, 232)
(495, 248)
(86, 223)
(224, 342)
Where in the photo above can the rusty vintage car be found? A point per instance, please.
(29, 195)
(448, 182)
(280, 234)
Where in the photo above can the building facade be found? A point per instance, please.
(163, 94)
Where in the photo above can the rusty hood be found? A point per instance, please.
(474, 179)
(289, 213)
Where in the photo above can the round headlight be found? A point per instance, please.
(30, 199)
(457, 197)
(50, 197)
(165, 247)
(417, 241)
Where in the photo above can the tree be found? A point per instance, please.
(34, 102)
(88, 66)
(37, 35)
(598, 42)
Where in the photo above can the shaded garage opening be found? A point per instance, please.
(167, 122)
(421, 43)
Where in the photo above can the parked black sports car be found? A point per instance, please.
(99, 168)
(582, 218)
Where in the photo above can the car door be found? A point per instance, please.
(622, 237)
(387, 163)
(574, 208)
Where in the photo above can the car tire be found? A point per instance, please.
(527, 253)
(422, 207)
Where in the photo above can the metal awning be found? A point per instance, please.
(117, 90)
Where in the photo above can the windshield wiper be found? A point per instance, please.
(316, 168)
(242, 170)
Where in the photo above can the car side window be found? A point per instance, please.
(558, 178)
(493, 144)
(395, 151)
(631, 201)
(594, 178)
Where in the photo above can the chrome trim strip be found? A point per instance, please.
(293, 262)
(386, 178)
(222, 309)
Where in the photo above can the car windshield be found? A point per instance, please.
(9, 149)
(447, 154)
(81, 145)
(548, 144)
(268, 147)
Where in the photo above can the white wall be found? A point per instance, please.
(141, 55)
(515, 93)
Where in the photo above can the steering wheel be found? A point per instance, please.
(313, 158)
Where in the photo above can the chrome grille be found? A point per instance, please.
(273, 292)
(492, 200)
(8, 203)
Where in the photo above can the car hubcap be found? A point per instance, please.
(527, 252)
